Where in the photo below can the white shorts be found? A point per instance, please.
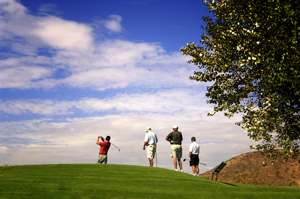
(151, 150)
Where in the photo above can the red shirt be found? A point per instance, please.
(104, 147)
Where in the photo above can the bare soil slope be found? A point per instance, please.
(248, 168)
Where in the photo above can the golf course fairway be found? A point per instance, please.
(123, 181)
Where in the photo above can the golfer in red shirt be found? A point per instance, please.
(104, 146)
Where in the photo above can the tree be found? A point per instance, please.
(250, 52)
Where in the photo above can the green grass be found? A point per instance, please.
(123, 181)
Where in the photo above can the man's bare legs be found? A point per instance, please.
(175, 162)
(180, 164)
(175, 159)
(151, 162)
(195, 170)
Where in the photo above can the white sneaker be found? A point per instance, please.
(182, 171)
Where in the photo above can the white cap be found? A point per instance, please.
(148, 128)
(175, 127)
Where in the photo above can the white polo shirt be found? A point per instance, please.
(194, 148)
(151, 138)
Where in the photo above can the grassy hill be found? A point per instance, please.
(122, 181)
(248, 169)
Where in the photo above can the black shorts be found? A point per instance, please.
(194, 160)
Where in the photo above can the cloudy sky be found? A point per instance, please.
(73, 70)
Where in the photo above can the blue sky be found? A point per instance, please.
(73, 70)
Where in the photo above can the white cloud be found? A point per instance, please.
(12, 7)
(3, 149)
(64, 35)
(46, 9)
(36, 31)
(23, 77)
(114, 64)
(120, 52)
(36, 106)
(113, 23)
(23, 48)
(168, 101)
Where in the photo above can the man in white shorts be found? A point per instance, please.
(150, 141)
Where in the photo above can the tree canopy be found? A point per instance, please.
(250, 52)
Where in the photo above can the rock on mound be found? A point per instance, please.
(248, 169)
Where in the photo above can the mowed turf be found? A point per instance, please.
(123, 181)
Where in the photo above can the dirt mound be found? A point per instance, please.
(248, 168)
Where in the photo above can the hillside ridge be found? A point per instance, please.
(248, 168)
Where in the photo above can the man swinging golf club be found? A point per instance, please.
(104, 146)
(150, 141)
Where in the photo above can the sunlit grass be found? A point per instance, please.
(122, 181)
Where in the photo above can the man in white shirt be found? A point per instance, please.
(150, 141)
(194, 151)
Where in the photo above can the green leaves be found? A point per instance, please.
(252, 58)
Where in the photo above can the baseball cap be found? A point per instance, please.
(175, 127)
(148, 128)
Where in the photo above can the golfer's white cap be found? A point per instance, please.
(148, 128)
(175, 127)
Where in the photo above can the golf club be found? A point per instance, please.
(115, 146)
(156, 155)
(199, 162)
